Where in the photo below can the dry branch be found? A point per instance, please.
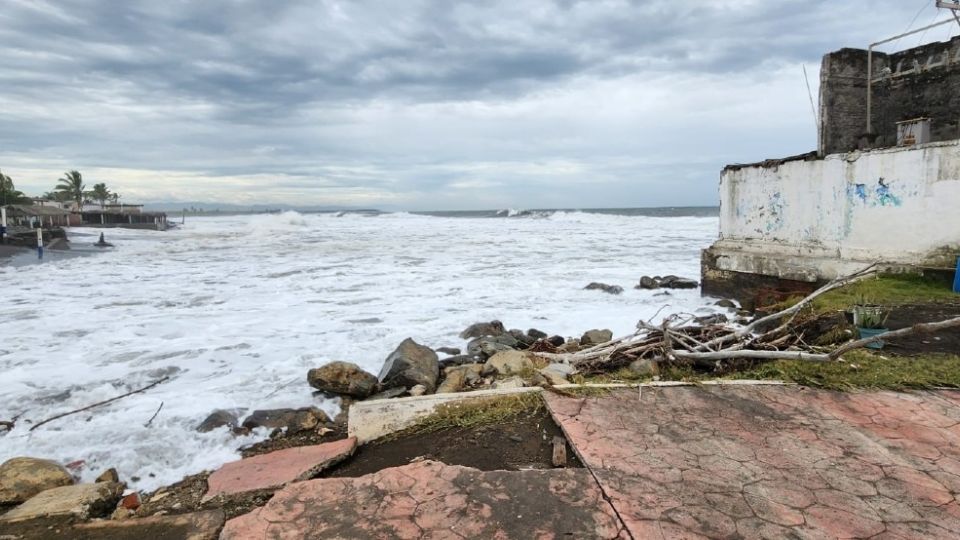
(922, 328)
(99, 403)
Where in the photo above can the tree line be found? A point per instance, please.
(69, 188)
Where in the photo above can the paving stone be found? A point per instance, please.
(433, 500)
(772, 461)
(195, 526)
(276, 469)
(81, 501)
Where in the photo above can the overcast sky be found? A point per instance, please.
(418, 104)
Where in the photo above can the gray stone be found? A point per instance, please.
(343, 378)
(293, 420)
(452, 351)
(388, 393)
(24, 477)
(418, 390)
(644, 367)
(216, 419)
(609, 289)
(674, 282)
(647, 282)
(556, 341)
(492, 328)
(508, 363)
(728, 304)
(509, 383)
(457, 377)
(409, 365)
(458, 360)
(488, 346)
(595, 337)
(557, 373)
(523, 340)
(81, 501)
(536, 334)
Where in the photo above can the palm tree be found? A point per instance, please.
(115, 197)
(6, 186)
(100, 193)
(71, 185)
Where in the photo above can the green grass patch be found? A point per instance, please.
(622, 375)
(886, 290)
(863, 370)
(477, 412)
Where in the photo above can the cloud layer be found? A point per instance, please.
(421, 104)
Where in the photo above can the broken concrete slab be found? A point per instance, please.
(196, 526)
(771, 461)
(81, 501)
(276, 469)
(369, 420)
(433, 500)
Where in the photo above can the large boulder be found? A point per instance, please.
(343, 378)
(81, 501)
(409, 365)
(24, 477)
(674, 282)
(558, 373)
(508, 363)
(492, 328)
(292, 420)
(595, 337)
(489, 346)
(524, 341)
(457, 377)
(647, 282)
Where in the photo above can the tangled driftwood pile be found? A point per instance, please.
(688, 339)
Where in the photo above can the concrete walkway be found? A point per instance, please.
(772, 462)
(672, 462)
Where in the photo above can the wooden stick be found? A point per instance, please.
(756, 355)
(922, 328)
(150, 421)
(99, 403)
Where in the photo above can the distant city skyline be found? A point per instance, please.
(420, 105)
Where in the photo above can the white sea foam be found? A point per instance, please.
(235, 310)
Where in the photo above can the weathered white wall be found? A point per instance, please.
(815, 219)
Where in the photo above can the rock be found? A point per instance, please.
(492, 328)
(512, 382)
(131, 501)
(644, 367)
(218, 418)
(725, 303)
(523, 340)
(204, 525)
(458, 377)
(707, 320)
(571, 346)
(418, 390)
(595, 337)
(388, 393)
(674, 282)
(556, 341)
(508, 363)
(293, 420)
(409, 365)
(486, 347)
(558, 373)
(553, 377)
(609, 289)
(24, 477)
(647, 282)
(343, 378)
(452, 351)
(81, 501)
(536, 334)
(458, 360)
(109, 475)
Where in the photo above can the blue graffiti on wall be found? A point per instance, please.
(775, 206)
(881, 195)
(885, 197)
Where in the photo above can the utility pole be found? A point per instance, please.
(953, 6)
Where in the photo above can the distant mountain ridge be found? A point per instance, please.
(200, 206)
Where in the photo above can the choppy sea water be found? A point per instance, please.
(236, 309)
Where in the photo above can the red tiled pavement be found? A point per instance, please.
(435, 501)
(276, 469)
(772, 461)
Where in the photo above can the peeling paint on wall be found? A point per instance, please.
(885, 197)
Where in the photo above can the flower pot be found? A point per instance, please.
(871, 332)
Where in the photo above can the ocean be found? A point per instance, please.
(236, 309)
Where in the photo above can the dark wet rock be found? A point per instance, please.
(103, 243)
(343, 378)
(716, 318)
(674, 282)
(489, 346)
(388, 393)
(728, 304)
(609, 289)
(458, 360)
(452, 351)
(409, 365)
(293, 420)
(647, 282)
(536, 334)
(492, 328)
(218, 418)
(523, 340)
(23, 477)
(595, 337)
(556, 341)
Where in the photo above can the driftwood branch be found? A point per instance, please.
(99, 403)
(150, 421)
(922, 328)
(753, 355)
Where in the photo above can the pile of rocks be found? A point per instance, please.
(666, 282)
(494, 357)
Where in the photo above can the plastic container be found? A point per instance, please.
(956, 278)
(870, 332)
